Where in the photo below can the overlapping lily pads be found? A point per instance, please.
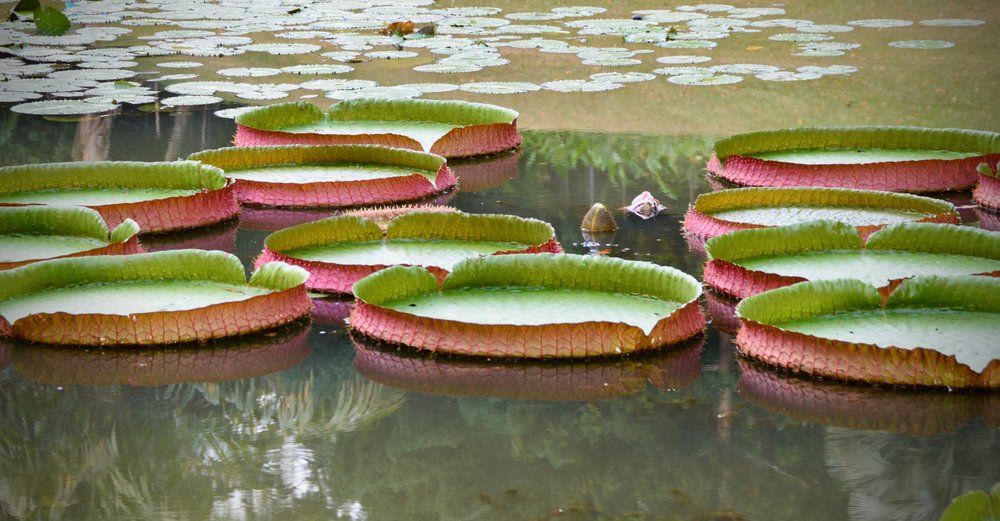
(531, 306)
(329, 175)
(34, 233)
(726, 211)
(149, 298)
(748, 262)
(931, 331)
(447, 128)
(160, 197)
(339, 251)
(578, 380)
(899, 159)
(987, 192)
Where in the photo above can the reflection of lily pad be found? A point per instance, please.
(747, 262)
(744, 208)
(339, 251)
(33, 233)
(901, 159)
(148, 298)
(446, 128)
(931, 331)
(329, 175)
(585, 380)
(159, 196)
(531, 306)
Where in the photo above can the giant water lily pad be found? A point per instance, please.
(839, 404)
(747, 262)
(33, 233)
(160, 197)
(339, 251)
(931, 331)
(578, 380)
(329, 175)
(447, 128)
(149, 298)
(898, 159)
(726, 211)
(237, 358)
(531, 306)
(987, 192)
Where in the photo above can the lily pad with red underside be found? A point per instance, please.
(931, 331)
(718, 213)
(748, 262)
(148, 298)
(248, 356)
(924, 412)
(339, 251)
(160, 197)
(896, 159)
(449, 128)
(582, 380)
(329, 176)
(531, 306)
(987, 192)
(34, 233)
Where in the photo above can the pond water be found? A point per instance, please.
(310, 422)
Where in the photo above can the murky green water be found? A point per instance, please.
(310, 423)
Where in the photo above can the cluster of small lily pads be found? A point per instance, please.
(116, 53)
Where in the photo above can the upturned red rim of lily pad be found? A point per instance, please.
(597, 379)
(721, 212)
(747, 262)
(838, 404)
(896, 159)
(149, 298)
(449, 128)
(531, 306)
(329, 176)
(931, 331)
(34, 233)
(987, 192)
(221, 360)
(339, 251)
(159, 196)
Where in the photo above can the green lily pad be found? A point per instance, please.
(977, 505)
(935, 331)
(922, 44)
(450, 128)
(63, 108)
(32, 233)
(151, 298)
(536, 306)
(747, 262)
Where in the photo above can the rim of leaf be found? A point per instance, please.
(284, 115)
(846, 197)
(959, 140)
(413, 225)
(826, 235)
(73, 221)
(104, 174)
(822, 297)
(606, 274)
(239, 158)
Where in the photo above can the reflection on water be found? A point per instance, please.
(312, 426)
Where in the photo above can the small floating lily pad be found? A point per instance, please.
(447, 128)
(329, 175)
(899, 159)
(33, 233)
(158, 196)
(339, 251)
(64, 107)
(922, 44)
(868, 210)
(148, 298)
(531, 306)
(745, 263)
(931, 331)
